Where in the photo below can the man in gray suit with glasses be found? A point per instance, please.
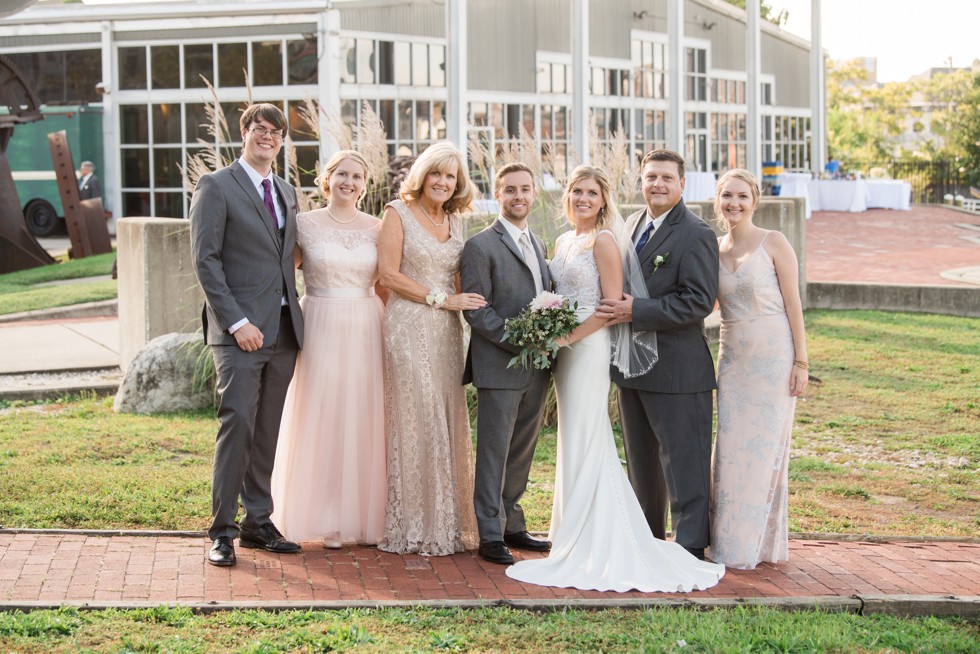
(243, 231)
(505, 264)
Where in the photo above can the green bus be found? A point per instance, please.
(30, 160)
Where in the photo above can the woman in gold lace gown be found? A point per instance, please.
(430, 468)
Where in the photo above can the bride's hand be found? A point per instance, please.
(463, 302)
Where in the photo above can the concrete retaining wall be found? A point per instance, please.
(947, 300)
(158, 291)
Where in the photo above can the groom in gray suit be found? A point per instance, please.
(666, 413)
(243, 230)
(505, 264)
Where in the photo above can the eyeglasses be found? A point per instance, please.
(274, 133)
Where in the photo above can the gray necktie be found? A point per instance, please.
(532, 261)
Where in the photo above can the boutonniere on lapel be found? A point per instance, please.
(659, 260)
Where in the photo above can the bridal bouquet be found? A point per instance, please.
(536, 329)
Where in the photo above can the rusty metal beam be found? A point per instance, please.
(85, 219)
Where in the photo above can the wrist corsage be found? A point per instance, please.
(436, 298)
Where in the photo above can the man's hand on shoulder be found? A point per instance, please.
(616, 311)
(249, 337)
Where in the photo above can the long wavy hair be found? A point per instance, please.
(608, 217)
(443, 157)
(323, 181)
(739, 174)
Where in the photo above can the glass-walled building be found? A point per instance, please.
(149, 67)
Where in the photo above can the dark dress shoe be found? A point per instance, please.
(522, 540)
(496, 552)
(696, 552)
(222, 551)
(267, 537)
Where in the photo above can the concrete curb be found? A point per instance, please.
(967, 606)
(42, 393)
(101, 309)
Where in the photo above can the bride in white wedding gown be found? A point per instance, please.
(600, 537)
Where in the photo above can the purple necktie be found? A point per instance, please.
(267, 198)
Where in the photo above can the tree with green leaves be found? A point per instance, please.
(766, 12)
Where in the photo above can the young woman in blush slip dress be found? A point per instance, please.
(328, 483)
(600, 537)
(762, 369)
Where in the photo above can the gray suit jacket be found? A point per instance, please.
(682, 294)
(493, 266)
(242, 264)
(91, 189)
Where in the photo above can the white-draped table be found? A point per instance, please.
(838, 195)
(796, 185)
(889, 194)
(699, 187)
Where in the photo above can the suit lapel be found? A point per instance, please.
(661, 233)
(516, 249)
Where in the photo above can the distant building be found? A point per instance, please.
(149, 63)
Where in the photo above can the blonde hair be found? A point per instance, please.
(441, 156)
(608, 215)
(742, 175)
(323, 181)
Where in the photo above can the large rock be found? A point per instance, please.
(161, 377)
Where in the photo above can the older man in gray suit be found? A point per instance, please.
(243, 231)
(505, 264)
(666, 413)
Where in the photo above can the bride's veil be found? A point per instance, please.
(633, 352)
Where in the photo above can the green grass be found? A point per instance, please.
(20, 291)
(745, 629)
(865, 460)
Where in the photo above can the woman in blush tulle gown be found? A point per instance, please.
(328, 483)
(600, 537)
(762, 368)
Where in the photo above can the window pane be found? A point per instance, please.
(135, 125)
(299, 126)
(132, 68)
(197, 124)
(168, 205)
(136, 167)
(527, 117)
(58, 79)
(136, 204)
(437, 65)
(422, 124)
(232, 60)
(558, 78)
(403, 61)
(478, 114)
(301, 61)
(404, 120)
(198, 62)
(439, 119)
(386, 112)
(165, 66)
(497, 119)
(544, 78)
(165, 170)
(267, 63)
(348, 61)
(166, 123)
(420, 64)
(366, 61)
(348, 112)
(561, 117)
(306, 157)
(385, 62)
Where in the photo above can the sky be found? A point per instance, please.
(907, 36)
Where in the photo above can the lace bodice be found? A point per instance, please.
(335, 257)
(425, 259)
(574, 270)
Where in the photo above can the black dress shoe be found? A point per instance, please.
(222, 551)
(522, 540)
(496, 552)
(267, 537)
(696, 552)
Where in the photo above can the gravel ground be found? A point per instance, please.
(72, 379)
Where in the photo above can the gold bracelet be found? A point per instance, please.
(801, 364)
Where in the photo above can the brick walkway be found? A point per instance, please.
(56, 568)
(891, 247)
